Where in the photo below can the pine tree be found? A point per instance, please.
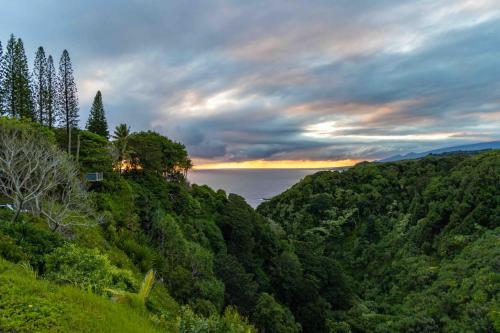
(8, 71)
(50, 97)
(97, 119)
(40, 85)
(16, 90)
(22, 82)
(1, 81)
(67, 99)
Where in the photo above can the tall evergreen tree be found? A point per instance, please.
(23, 82)
(50, 97)
(1, 81)
(8, 71)
(67, 99)
(16, 90)
(40, 85)
(97, 119)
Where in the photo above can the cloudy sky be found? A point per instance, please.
(270, 82)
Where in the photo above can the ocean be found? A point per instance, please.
(254, 185)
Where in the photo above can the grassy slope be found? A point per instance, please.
(28, 304)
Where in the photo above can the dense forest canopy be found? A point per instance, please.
(410, 246)
(416, 241)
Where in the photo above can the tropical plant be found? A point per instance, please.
(121, 148)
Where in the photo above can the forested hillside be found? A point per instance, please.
(116, 219)
(140, 238)
(417, 242)
(100, 231)
(408, 246)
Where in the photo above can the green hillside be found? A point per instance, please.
(102, 232)
(409, 246)
(28, 304)
(418, 241)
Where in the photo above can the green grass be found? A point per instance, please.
(28, 304)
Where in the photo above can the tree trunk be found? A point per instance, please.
(19, 207)
(69, 140)
(77, 148)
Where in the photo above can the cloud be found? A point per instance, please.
(279, 80)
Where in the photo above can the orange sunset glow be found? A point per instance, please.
(282, 164)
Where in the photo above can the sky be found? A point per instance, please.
(280, 83)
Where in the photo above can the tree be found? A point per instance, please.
(287, 276)
(97, 119)
(272, 317)
(8, 70)
(38, 177)
(237, 224)
(8, 83)
(50, 93)
(22, 89)
(154, 152)
(1, 81)
(94, 154)
(40, 85)
(67, 99)
(120, 144)
(65, 203)
(241, 289)
(16, 91)
(28, 164)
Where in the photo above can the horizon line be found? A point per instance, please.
(278, 164)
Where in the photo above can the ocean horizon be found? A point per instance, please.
(255, 185)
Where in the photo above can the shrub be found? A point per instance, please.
(140, 254)
(10, 250)
(135, 300)
(203, 307)
(272, 317)
(212, 290)
(230, 322)
(33, 239)
(86, 268)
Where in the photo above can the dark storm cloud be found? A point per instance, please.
(278, 79)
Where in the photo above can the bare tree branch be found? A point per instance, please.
(38, 177)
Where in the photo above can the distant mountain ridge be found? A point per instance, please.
(469, 147)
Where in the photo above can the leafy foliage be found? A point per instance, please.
(33, 305)
(410, 246)
(273, 317)
(156, 153)
(412, 239)
(87, 269)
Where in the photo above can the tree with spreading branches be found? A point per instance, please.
(37, 177)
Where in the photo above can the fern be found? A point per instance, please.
(26, 266)
(120, 296)
(146, 286)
